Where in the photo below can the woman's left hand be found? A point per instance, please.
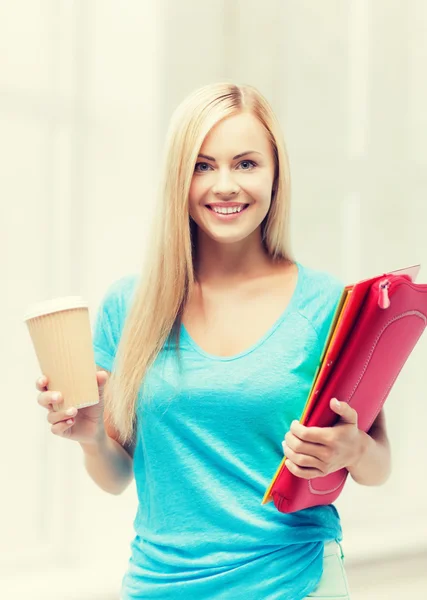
(317, 451)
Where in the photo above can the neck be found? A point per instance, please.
(218, 263)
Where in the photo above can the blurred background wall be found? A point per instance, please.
(86, 92)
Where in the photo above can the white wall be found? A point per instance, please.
(86, 91)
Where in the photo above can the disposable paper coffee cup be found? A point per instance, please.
(62, 339)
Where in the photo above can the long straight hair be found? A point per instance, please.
(168, 274)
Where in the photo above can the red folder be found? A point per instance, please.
(377, 323)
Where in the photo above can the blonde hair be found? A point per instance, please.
(168, 275)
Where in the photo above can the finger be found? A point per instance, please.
(304, 447)
(41, 383)
(63, 415)
(304, 460)
(62, 427)
(303, 473)
(315, 435)
(102, 378)
(49, 399)
(344, 410)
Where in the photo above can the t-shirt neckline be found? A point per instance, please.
(288, 310)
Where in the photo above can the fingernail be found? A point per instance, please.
(337, 402)
(70, 422)
(284, 447)
(56, 397)
(70, 411)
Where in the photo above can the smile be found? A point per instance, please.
(227, 213)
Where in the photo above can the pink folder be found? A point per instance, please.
(377, 323)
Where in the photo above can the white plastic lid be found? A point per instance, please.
(55, 305)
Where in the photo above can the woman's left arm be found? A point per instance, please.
(317, 451)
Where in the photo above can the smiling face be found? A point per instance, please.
(234, 172)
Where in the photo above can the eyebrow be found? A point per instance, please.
(234, 157)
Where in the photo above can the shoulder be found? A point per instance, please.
(116, 301)
(320, 296)
(320, 284)
(119, 293)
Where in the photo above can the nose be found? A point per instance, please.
(225, 185)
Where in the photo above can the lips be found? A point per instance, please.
(226, 205)
(242, 208)
(228, 216)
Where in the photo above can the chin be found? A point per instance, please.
(230, 238)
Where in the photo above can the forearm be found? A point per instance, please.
(108, 464)
(373, 467)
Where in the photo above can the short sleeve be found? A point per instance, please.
(108, 323)
(327, 310)
(322, 300)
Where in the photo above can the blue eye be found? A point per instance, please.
(201, 170)
(249, 162)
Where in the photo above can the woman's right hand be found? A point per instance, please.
(84, 425)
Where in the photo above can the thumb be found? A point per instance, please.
(102, 378)
(345, 412)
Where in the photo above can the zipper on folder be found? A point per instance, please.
(383, 297)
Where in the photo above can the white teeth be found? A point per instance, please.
(227, 211)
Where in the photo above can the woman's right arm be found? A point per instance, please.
(107, 462)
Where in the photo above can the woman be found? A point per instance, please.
(210, 356)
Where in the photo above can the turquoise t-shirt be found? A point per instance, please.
(208, 443)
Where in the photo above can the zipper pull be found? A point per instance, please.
(383, 297)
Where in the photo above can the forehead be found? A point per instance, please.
(235, 134)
